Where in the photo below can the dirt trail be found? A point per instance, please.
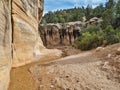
(21, 78)
(76, 72)
(46, 78)
(85, 76)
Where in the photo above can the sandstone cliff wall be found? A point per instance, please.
(19, 40)
(26, 42)
(5, 44)
(25, 31)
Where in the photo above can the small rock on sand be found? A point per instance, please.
(118, 51)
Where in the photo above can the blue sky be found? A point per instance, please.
(53, 5)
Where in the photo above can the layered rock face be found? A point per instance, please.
(5, 44)
(25, 30)
(19, 40)
(27, 44)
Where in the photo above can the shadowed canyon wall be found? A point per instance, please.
(5, 43)
(19, 40)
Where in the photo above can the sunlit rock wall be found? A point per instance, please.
(26, 41)
(27, 44)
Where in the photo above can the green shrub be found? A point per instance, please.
(87, 41)
(92, 37)
(118, 33)
(90, 29)
(110, 35)
(101, 38)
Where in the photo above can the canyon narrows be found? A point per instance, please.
(20, 43)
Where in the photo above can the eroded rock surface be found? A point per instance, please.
(27, 44)
(5, 44)
(25, 31)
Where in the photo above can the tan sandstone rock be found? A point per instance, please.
(25, 31)
(99, 49)
(5, 44)
(27, 43)
(118, 51)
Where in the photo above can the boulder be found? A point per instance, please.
(118, 51)
(99, 49)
